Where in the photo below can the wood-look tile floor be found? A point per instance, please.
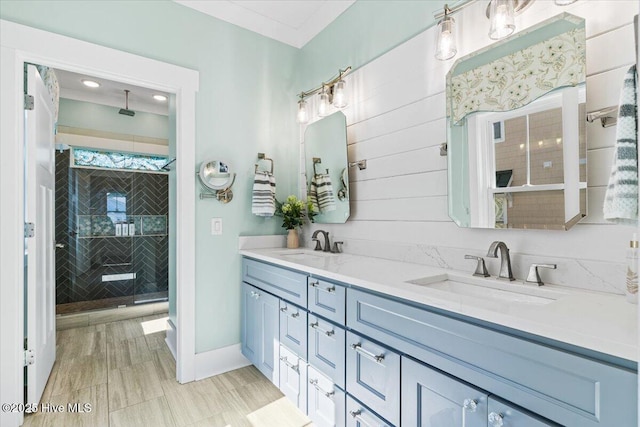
(126, 373)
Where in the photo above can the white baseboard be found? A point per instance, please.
(219, 361)
(171, 338)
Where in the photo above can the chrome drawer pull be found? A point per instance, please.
(378, 358)
(290, 365)
(316, 285)
(255, 294)
(324, 331)
(357, 415)
(294, 315)
(314, 383)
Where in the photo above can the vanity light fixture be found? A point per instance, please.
(331, 92)
(90, 83)
(160, 98)
(500, 13)
(446, 43)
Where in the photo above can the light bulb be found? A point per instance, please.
(502, 20)
(446, 42)
(339, 98)
(303, 116)
(323, 108)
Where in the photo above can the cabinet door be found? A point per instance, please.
(250, 331)
(267, 321)
(293, 378)
(373, 376)
(293, 328)
(325, 401)
(503, 414)
(433, 399)
(358, 415)
(326, 348)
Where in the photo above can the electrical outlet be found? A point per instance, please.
(216, 226)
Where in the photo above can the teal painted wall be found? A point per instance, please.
(244, 107)
(365, 31)
(87, 115)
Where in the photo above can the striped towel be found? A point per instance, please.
(264, 194)
(323, 189)
(621, 199)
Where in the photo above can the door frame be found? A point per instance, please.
(21, 44)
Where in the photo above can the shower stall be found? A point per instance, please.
(111, 236)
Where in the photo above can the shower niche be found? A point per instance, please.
(112, 237)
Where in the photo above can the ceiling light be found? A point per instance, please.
(90, 83)
(502, 19)
(446, 42)
(160, 98)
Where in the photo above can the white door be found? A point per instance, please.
(40, 249)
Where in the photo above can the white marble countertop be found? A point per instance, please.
(601, 322)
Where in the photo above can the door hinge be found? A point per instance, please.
(28, 102)
(29, 357)
(29, 229)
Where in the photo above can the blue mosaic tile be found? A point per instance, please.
(102, 225)
(84, 226)
(154, 224)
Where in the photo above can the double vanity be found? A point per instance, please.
(358, 341)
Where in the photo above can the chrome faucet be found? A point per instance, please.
(327, 245)
(505, 260)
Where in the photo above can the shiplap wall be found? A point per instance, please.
(396, 120)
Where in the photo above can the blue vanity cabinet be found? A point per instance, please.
(434, 399)
(503, 414)
(358, 415)
(259, 330)
(326, 299)
(286, 284)
(373, 376)
(293, 328)
(325, 401)
(293, 378)
(327, 348)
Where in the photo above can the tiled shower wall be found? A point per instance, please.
(91, 248)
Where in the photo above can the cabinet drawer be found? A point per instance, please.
(325, 401)
(566, 388)
(503, 414)
(326, 299)
(293, 328)
(293, 378)
(373, 376)
(326, 348)
(358, 415)
(431, 398)
(287, 284)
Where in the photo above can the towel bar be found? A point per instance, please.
(608, 116)
(362, 164)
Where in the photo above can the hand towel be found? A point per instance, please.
(621, 198)
(324, 192)
(264, 194)
(313, 195)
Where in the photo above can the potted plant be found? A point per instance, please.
(293, 213)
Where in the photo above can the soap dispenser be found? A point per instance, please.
(632, 270)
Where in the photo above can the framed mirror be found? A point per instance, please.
(517, 130)
(327, 169)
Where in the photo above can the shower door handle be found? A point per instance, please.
(60, 246)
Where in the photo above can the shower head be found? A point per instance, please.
(126, 110)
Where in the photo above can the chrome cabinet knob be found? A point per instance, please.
(470, 405)
(496, 420)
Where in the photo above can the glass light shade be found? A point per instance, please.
(564, 2)
(323, 107)
(446, 42)
(339, 98)
(303, 116)
(502, 19)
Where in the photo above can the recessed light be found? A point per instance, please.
(160, 98)
(90, 83)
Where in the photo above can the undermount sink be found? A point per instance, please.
(490, 289)
(305, 255)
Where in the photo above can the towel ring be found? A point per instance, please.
(262, 156)
(318, 160)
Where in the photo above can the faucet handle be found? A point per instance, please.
(534, 275)
(337, 247)
(318, 245)
(481, 267)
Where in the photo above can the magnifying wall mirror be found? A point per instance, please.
(216, 176)
(517, 130)
(325, 146)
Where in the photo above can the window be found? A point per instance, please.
(83, 157)
(117, 207)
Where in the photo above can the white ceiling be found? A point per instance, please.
(293, 22)
(109, 93)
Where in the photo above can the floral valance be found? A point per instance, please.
(517, 79)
